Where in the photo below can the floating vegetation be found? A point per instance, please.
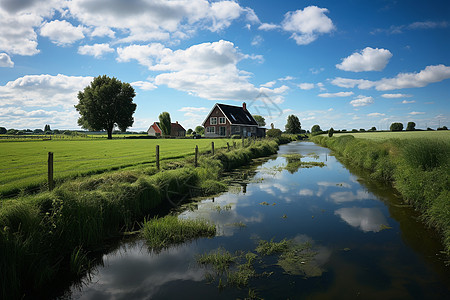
(264, 203)
(384, 227)
(284, 216)
(313, 155)
(294, 163)
(161, 233)
(238, 224)
(271, 247)
(292, 157)
(297, 260)
(225, 207)
(220, 260)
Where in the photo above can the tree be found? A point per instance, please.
(200, 130)
(293, 125)
(260, 120)
(3, 130)
(273, 133)
(331, 132)
(373, 129)
(189, 131)
(411, 126)
(316, 130)
(165, 123)
(396, 127)
(105, 104)
(47, 127)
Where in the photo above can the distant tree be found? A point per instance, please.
(67, 132)
(331, 132)
(200, 130)
(316, 130)
(260, 120)
(430, 129)
(442, 128)
(293, 125)
(273, 133)
(189, 131)
(272, 126)
(165, 123)
(373, 129)
(106, 103)
(396, 127)
(362, 130)
(47, 127)
(56, 131)
(3, 130)
(411, 126)
(354, 130)
(11, 131)
(38, 131)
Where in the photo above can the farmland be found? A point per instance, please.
(441, 134)
(24, 164)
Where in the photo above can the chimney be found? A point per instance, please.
(176, 122)
(244, 106)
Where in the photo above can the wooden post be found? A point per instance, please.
(228, 146)
(212, 148)
(51, 183)
(157, 157)
(196, 157)
(243, 142)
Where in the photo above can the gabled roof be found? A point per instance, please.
(235, 114)
(177, 127)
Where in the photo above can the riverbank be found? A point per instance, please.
(45, 235)
(418, 168)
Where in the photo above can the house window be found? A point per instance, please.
(222, 130)
(222, 120)
(213, 121)
(211, 129)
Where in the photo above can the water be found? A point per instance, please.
(367, 244)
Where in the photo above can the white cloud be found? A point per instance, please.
(144, 54)
(366, 219)
(393, 96)
(194, 109)
(306, 86)
(307, 24)
(331, 95)
(429, 75)
(103, 31)
(408, 102)
(287, 78)
(5, 61)
(376, 115)
(268, 26)
(361, 101)
(416, 113)
(17, 35)
(269, 84)
(369, 59)
(257, 40)
(62, 32)
(96, 50)
(144, 85)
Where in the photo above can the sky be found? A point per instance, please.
(346, 64)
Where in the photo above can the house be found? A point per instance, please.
(227, 120)
(176, 130)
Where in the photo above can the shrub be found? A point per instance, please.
(273, 133)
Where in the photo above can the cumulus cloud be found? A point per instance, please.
(416, 113)
(429, 75)
(394, 96)
(144, 85)
(268, 26)
(376, 115)
(332, 95)
(96, 50)
(5, 61)
(62, 32)
(194, 109)
(307, 24)
(306, 86)
(361, 101)
(369, 59)
(408, 102)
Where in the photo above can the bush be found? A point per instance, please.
(273, 133)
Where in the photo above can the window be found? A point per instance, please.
(233, 116)
(211, 129)
(222, 120)
(222, 130)
(213, 121)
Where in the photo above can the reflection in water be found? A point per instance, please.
(366, 219)
(341, 197)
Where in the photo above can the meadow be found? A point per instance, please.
(383, 135)
(24, 163)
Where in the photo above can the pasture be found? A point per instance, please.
(24, 164)
(379, 136)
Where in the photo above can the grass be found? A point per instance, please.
(39, 232)
(160, 233)
(382, 136)
(24, 164)
(418, 168)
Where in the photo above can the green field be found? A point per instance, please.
(441, 134)
(24, 164)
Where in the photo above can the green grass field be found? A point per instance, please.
(441, 134)
(24, 164)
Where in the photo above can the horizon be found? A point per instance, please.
(346, 65)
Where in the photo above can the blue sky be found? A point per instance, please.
(341, 64)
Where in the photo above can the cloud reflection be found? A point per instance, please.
(366, 219)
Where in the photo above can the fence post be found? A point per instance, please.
(243, 143)
(212, 147)
(228, 146)
(51, 183)
(196, 157)
(157, 157)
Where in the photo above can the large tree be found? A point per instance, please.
(293, 125)
(396, 127)
(260, 120)
(411, 126)
(200, 130)
(165, 123)
(106, 103)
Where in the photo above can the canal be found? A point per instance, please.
(348, 237)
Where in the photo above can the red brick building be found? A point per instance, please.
(176, 130)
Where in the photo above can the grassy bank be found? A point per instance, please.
(418, 168)
(49, 234)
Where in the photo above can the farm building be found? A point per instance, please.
(227, 120)
(177, 130)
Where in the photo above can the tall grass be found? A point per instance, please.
(42, 235)
(418, 168)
